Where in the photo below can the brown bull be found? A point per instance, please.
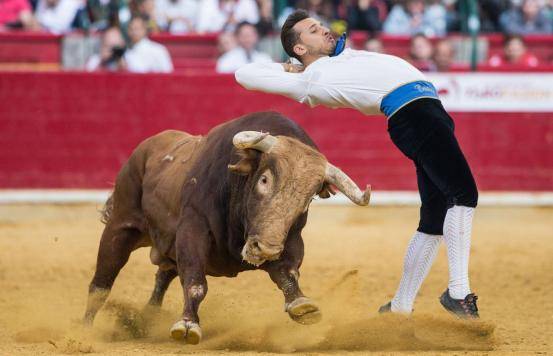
(233, 200)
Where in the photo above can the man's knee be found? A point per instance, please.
(467, 196)
(432, 219)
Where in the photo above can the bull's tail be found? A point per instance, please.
(107, 210)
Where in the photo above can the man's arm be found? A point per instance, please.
(275, 78)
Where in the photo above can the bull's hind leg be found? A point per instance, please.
(163, 280)
(192, 250)
(285, 273)
(116, 246)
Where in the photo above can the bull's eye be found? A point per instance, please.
(264, 183)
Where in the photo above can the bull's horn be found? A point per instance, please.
(260, 141)
(344, 184)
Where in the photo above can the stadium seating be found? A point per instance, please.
(38, 51)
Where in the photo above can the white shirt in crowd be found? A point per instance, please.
(167, 10)
(148, 56)
(237, 57)
(212, 18)
(354, 79)
(57, 19)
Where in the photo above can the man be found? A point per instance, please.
(418, 125)
(111, 53)
(514, 54)
(144, 55)
(420, 52)
(244, 53)
(444, 54)
(56, 16)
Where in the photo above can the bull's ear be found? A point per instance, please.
(326, 191)
(242, 167)
(245, 164)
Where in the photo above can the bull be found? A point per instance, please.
(234, 200)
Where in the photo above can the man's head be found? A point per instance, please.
(225, 42)
(111, 39)
(52, 3)
(421, 48)
(304, 37)
(137, 29)
(246, 35)
(415, 7)
(443, 55)
(514, 48)
(374, 45)
(530, 9)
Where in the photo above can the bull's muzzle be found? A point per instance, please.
(256, 251)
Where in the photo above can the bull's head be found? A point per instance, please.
(283, 176)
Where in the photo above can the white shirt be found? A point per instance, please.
(354, 79)
(148, 56)
(237, 57)
(57, 19)
(167, 10)
(212, 17)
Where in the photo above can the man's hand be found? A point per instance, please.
(293, 68)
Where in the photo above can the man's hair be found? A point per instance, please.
(243, 24)
(288, 36)
(512, 37)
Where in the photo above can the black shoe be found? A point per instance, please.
(462, 308)
(386, 308)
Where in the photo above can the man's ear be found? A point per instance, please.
(246, 163)
(299, 49)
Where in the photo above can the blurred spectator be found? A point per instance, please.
(414, 17)
(527, 19)
(226, 42)
(374, 45)
(56, 16)
(321, 10)
(244, 53)
(104, 14)
(364, 15)
(223, 15)
(145, 55)
(443, 56)
(176, 16)
(17, 14)
(146, 10)
(514, 53)
(265, 24)
(111, 53)
(490, 11)
(420, 53)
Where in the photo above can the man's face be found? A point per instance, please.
(421, 48)
(247, 37)
(443, 55)
(137, 30)
(112, 38)
(314, 38)
(514, 49)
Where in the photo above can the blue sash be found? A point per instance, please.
(397, 98)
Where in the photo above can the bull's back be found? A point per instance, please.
(169, 156)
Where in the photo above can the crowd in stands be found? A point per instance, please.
(124, 25)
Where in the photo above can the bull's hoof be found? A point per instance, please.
(188, 331)
(304, 311)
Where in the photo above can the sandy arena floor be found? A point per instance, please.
(352, 265)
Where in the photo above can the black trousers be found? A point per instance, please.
(424, 132)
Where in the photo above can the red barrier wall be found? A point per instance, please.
(75, 130)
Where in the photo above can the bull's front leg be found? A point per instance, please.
(192, 251)
(285, 273)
